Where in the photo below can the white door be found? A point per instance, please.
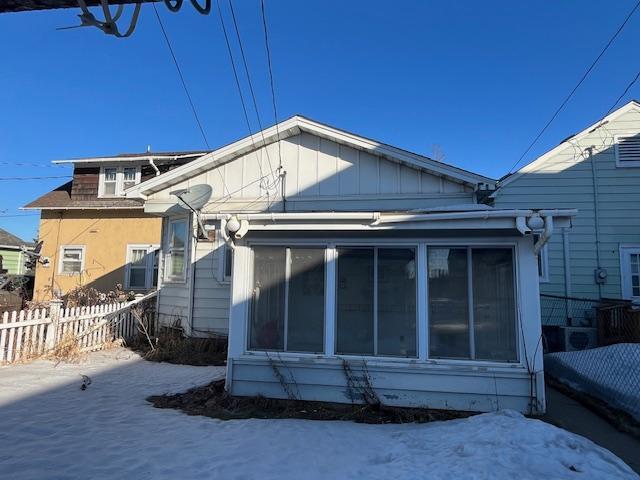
(630, 272)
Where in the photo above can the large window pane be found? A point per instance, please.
(354, 333)
(494, 304)
(396, 302)
(178, 241)
(448, 303)
(267, 315)
(305, 319)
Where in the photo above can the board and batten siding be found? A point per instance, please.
(565, 180)
(320, 175)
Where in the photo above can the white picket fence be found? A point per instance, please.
(29, 333)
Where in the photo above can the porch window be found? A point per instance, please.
(71, 259)
(472, 303)
(176, 256)
(630, 272)
(376, 301)
(287, 309)
(142, 267)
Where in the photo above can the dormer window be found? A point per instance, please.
(115, 180)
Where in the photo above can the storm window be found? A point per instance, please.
(472, 303)
(115, 180)
(287, 308)
(376, 301)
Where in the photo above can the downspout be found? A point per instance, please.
(545, 236)
(596, 214)
(153, 165)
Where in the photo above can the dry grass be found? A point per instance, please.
(172, 347)
(67, 350)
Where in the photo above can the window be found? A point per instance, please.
(115, 180)
(543, 260)
(177, 247)
(376, 301)
(142, 267)
(71, 259)
(630, 271)
(287, 308)
(228, 263)
(627, 150)
(472, 303)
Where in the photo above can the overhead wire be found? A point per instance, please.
(273, 90)
(582, 79)
(34, 178)
(186, 89)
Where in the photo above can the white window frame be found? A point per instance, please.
(224, 251)
(623, 164)
(422, 299)
(119, 179)
(288, 246)
(82, 248)
(543, 276)
(167, 277)
(148, 279)
(625, 271)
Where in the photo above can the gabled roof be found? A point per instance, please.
(538, 162)
(10, 240)
(294, 126)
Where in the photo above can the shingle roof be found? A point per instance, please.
(61, 198)
(9, 239)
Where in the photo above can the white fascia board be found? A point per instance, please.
(142, 158)
(538, 162)
(291, 127)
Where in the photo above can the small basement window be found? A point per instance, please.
(627, 150)
(115, 180)
(71, 259)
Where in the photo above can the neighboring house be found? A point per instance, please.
(596, 171)
(92, 235)
(349, 250)
(12, 258)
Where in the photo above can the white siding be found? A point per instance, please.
(566, 181)
(320, 174)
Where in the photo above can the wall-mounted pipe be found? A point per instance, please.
(545, 235)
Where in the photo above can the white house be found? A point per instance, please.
(354, 262)
(596, 171)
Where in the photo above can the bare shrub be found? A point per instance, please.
(67, 350)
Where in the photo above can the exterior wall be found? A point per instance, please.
(320, 175)
(12, 261)
(105, 235)
(435, 383)
(565, 181)
(208, 310)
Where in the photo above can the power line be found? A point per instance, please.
(273, 90)
(246, 69)
(33, 178)
(21, 215)
(584, 76)
(184, 83)
(631, 83)
(39, 165)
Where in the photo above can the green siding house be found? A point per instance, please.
(597, 172)
(11, 256)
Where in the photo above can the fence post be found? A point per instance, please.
(52, 328)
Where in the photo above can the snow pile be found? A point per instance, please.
(611, 374)
(52, 429)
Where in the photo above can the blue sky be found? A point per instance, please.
(478, 79)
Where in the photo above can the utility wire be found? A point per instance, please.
(184, 83)
(273, 90)
(631, 83)
(39, 165)
(21, 215)
(584, 76)
(246, 69)
(237, 79)
(33, 178)
(186, 90)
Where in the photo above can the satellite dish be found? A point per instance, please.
(193, 198)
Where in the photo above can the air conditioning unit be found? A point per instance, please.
(579, 338)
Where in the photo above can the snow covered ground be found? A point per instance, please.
(51, 429)
(611, 373)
